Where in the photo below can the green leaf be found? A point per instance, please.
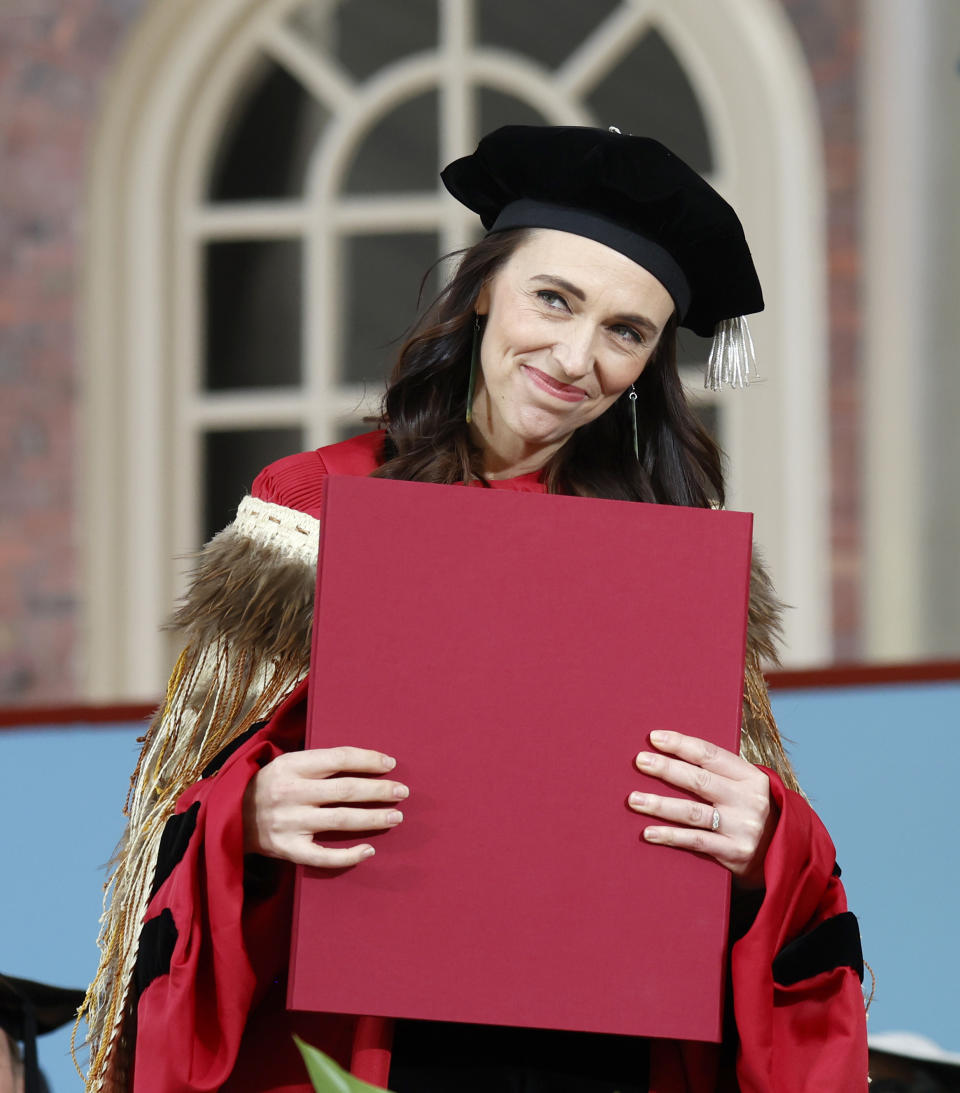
(327, 1077)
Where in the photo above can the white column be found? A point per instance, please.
(897, 238)
(942, 592)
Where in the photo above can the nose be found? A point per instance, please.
(574, 350)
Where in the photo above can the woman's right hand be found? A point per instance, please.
(301, 794)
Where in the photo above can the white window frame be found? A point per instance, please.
(147, 225)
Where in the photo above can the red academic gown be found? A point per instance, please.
(211, 973)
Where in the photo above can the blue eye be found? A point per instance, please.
(551, 298)
(628, 334)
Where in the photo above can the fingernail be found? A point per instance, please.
(639, 799)
(394, 817)
(658, 737)
(400, 792)
(652, 835)
(644, 759)
(388, 763)
(368, 852)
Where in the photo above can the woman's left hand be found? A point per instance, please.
(732, 790)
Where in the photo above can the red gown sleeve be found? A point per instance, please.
(213, 953)
(211, 970)
(797, 1000)
(800, 1032)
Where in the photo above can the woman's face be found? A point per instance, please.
(570, 325)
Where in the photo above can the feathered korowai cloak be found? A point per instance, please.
(246, 621)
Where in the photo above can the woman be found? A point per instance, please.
(548, 364)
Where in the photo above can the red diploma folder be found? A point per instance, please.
(513, 651)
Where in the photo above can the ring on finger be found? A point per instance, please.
(715, 821)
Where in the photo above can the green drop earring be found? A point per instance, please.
(474, 365)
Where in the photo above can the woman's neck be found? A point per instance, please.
(510, 456)
(505, 453)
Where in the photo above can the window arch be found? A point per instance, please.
(272, 159)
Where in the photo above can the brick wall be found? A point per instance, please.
(829, 32)
(54, 55)
(53, 58)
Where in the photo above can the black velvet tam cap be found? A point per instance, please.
(629, 193)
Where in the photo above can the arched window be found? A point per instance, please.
(278, 203)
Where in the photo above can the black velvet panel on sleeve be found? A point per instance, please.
(158, 939)
(835, 943)
(177, 832)
(260, 876)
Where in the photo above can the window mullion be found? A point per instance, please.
(250, 408)
(249, 220)
(374, 214)
(321, 75)
(601, 51)
(457, 105)
(323, 296)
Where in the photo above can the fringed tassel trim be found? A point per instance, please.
(239, 691)
(247, 619)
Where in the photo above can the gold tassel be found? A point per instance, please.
(178, 746)
(247, 618)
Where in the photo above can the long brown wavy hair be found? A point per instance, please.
(428, 439)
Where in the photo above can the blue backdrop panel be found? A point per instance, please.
(879, 765)
(62, 792)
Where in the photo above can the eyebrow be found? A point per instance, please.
(637, 320)
(561, 283)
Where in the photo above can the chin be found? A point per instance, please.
(534, 430)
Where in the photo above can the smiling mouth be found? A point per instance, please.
(564, 391)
